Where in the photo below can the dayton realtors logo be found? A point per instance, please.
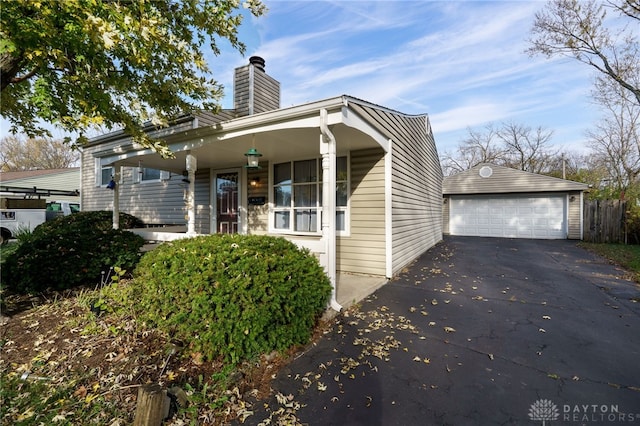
(545, 410)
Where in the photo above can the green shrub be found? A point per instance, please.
(68, 252)
(101, 220)
(232, 296)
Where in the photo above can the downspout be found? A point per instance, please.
(328, 151)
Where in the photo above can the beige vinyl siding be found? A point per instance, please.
(416, 183)
(363, 251)
(202, 200)
(575, 216)
(258, 216)
(416, 192)
(155, 202)
(92, 197)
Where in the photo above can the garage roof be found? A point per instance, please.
(488, 178)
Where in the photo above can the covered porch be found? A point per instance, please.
(323, 130)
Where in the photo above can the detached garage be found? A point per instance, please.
(495, 201)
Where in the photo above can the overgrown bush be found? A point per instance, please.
(231, 296)
(70, 251)
(101, 220)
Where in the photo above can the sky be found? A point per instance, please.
(461, 62)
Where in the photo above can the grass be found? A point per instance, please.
(627, 256)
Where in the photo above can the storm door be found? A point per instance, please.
(227, 202)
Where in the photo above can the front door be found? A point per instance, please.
(227, 202)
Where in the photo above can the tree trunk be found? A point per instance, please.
(9, 68)
(151, 405)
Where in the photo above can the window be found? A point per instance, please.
(146, 174)
(106, 175)
(149, 174)
(103, 174)
(342, 193)
(297, 194)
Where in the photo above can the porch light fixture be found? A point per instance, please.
(253, 158)
(255, 181)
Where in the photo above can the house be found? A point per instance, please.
(48, 184)
(358, 184)
(494, 201)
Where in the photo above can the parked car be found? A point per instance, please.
(25, 214)
(61, 208)
(18, 214)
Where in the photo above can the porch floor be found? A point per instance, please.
(353, 288)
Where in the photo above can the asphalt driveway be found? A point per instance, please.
(478, 331)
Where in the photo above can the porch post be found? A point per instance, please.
(116, 197)
(191, 204)
(328, 151)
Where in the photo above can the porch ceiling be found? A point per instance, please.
(217, 152)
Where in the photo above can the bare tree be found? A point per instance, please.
(511, 145)
(478, 147)
(615, 139)
(576, 28)
(525, 148)
(41, 153)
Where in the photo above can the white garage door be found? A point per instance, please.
(527, 216)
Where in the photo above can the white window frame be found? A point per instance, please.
(346, 209)
(318, 207)
(138, 175)
(99, 168)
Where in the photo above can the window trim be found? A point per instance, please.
(99, 168)
(138, 175)
(273, 209)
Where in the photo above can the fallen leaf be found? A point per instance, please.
(417, 359)
(542, 330)
(432, 323)
(491, 357)
(80, 392)
(449, 329)
(434, 302)
(547, 317)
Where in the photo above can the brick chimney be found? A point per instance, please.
(253, 90)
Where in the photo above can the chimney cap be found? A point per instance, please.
(257, 62)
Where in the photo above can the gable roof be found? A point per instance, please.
(276, 132)
(496, 179)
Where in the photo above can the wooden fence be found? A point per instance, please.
(604, 221)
